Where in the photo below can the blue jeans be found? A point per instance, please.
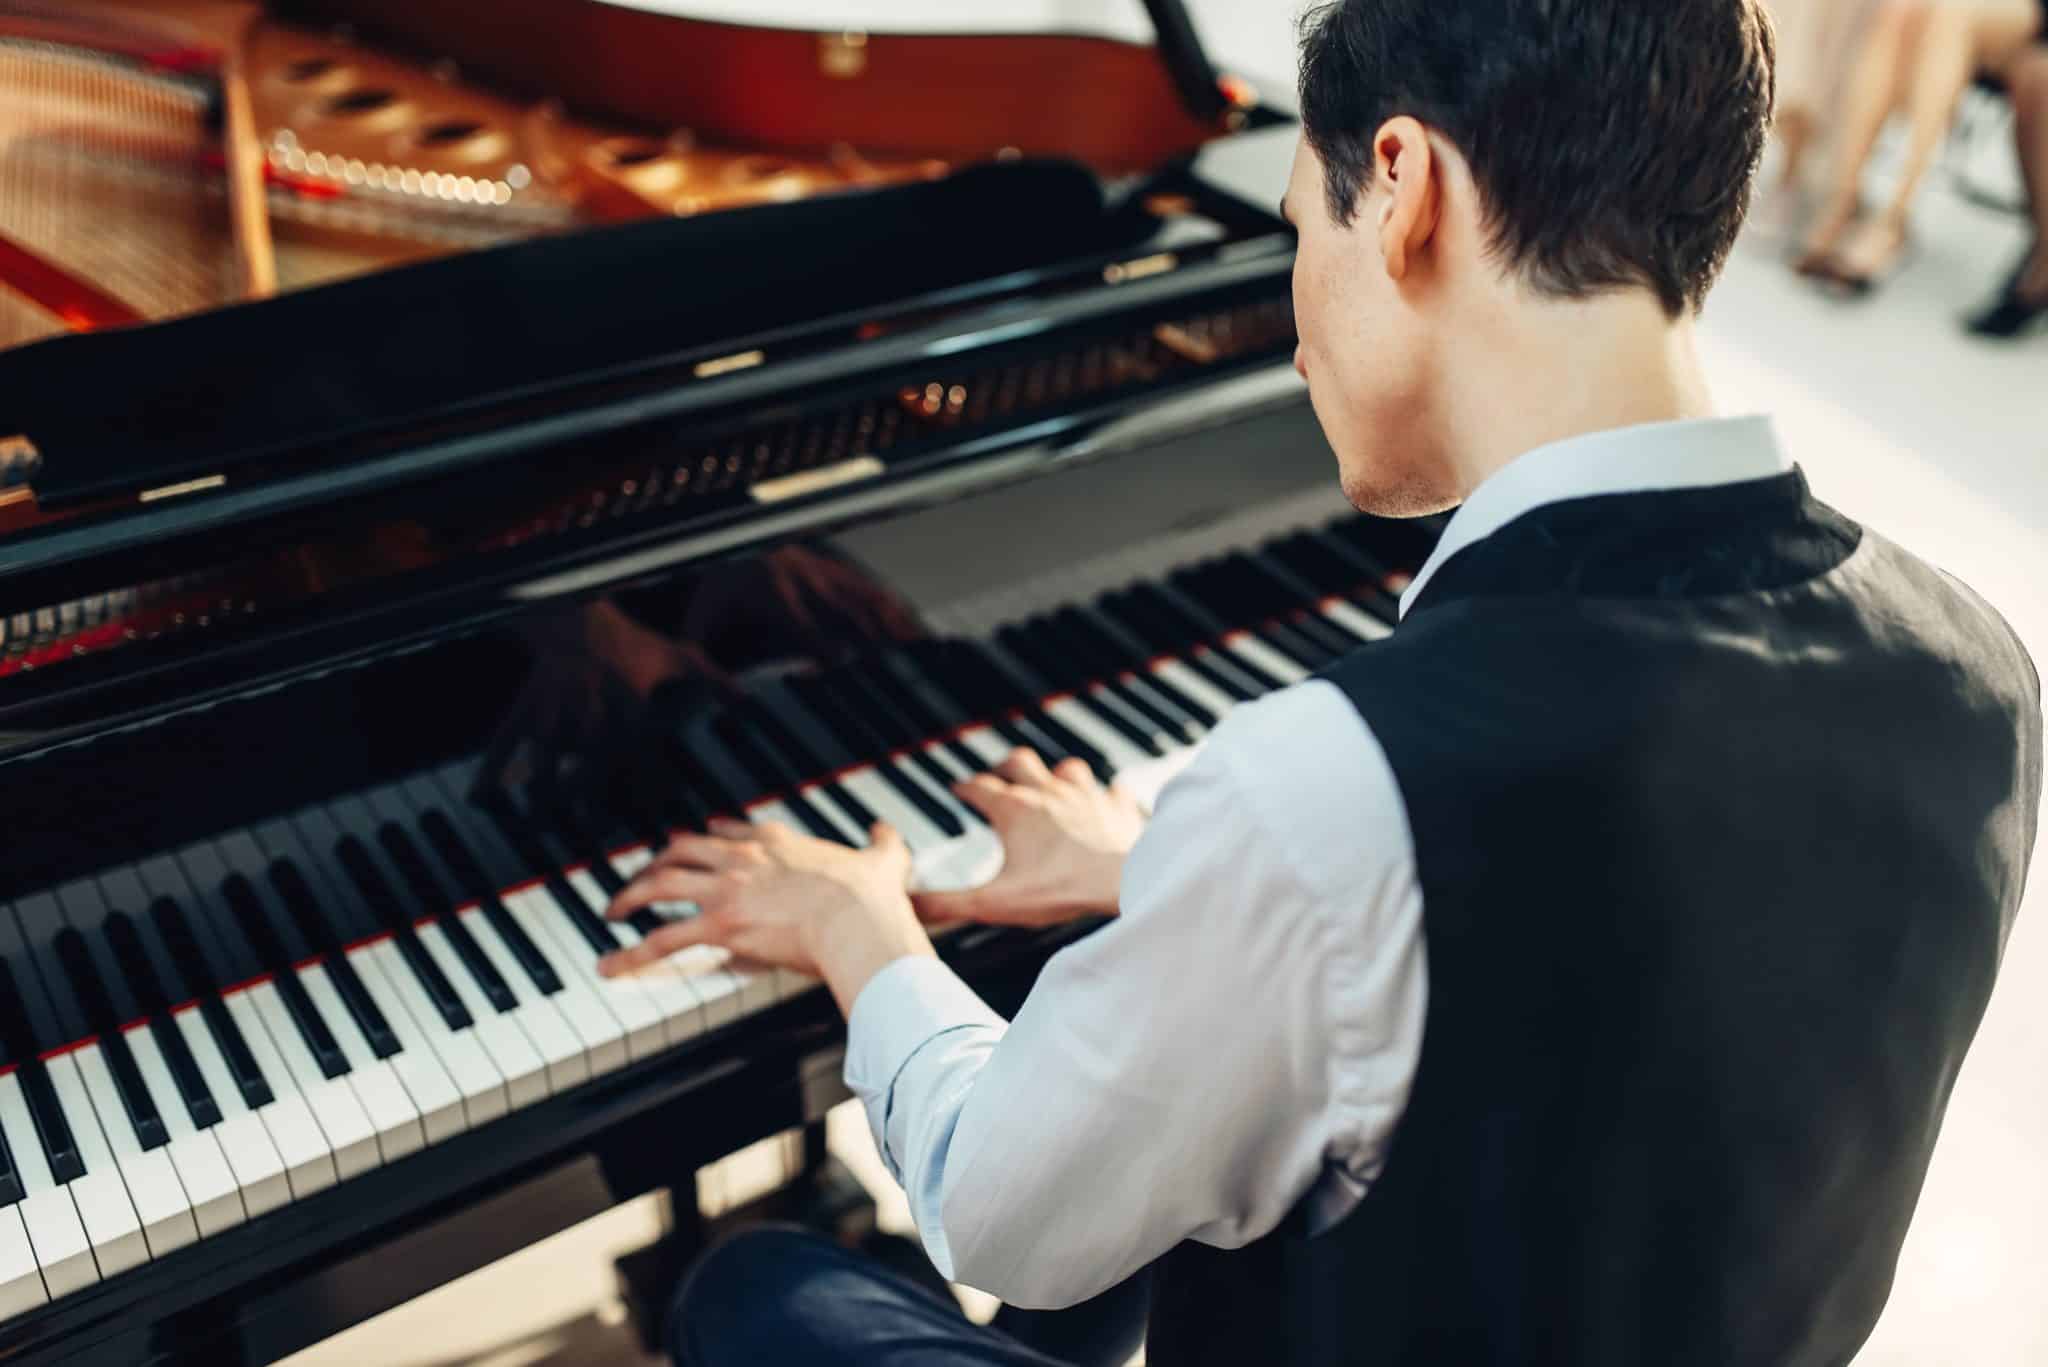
(775, 1295)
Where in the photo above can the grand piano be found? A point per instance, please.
(452, 445)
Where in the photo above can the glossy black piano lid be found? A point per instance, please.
(141, 408)
(229, 599)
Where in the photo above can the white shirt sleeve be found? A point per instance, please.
(1243, 1036)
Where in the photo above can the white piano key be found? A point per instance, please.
(392, 1116)
(152, 1184)
(1120, 753)
(940, 862)
(1278, 666)
(1355, 619)
(778, 814)
(987, 742)
(681, 1009)
(48, 1214)
(1191, 682)
(252, 1157)
(469, 1069)
(294, 1132)
(21, 1280)
(203, 1172)
(111, 1224)
(624, 999)
(558, 1046)
(603, 1038)
(526, 1076)
(351, 1138)
(419, 1068)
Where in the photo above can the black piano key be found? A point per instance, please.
(776, 776)
(461, 861)
(1400, 545)
(973, 666)
(197, 1097)
(1251, 603)
(201, 984)
(297, 896)
(369, 882)
(1143, 621)
(1205, 626)
(25, 1045)
(1314, 562)
(11, 1189)
(28, 1029)
(1382, 582)
(857, 737)
(143, 1116)
(761, 715)
(718, 796)
(962, 700)
(1256, 618)
(911, 720)
(573, 835)
(1124, 671)
(520, 836)
(1088, 626)
(434, 900)
(1030, 645)
(1124, 674)
(254, 920)
(685, 805)
(1297, 599)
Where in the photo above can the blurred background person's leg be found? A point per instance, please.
(1816, 39)
(1917, 59)
(2024, 302)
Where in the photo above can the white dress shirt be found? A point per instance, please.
(1243, 1036)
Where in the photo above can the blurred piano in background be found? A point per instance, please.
(456, 443)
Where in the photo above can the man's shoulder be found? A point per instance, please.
(1303, 767)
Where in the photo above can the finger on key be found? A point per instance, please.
(725, 828)
(1075, 771)
(1025, 766)
(991, 796)
(659, 886)
(672, 938)
(696, 852)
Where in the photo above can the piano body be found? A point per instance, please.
(383, 572)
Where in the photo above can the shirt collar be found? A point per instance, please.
(1692, 454)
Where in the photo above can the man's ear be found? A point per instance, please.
(1405, 168)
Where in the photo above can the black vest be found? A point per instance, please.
(1722, 808)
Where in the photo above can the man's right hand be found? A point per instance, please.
(1064, 840)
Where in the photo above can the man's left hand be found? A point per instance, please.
(771, 895)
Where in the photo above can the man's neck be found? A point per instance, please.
(1566, 369)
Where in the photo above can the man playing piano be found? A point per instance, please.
(1577, 975)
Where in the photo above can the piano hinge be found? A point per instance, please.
(190, 486)
(19, 461)
(816, 481)
(1123, 272)
(726, 365)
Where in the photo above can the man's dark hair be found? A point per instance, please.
(1613, 142)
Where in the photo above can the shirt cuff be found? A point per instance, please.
(902, 1009)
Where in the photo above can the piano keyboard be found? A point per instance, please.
(226, 1028)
